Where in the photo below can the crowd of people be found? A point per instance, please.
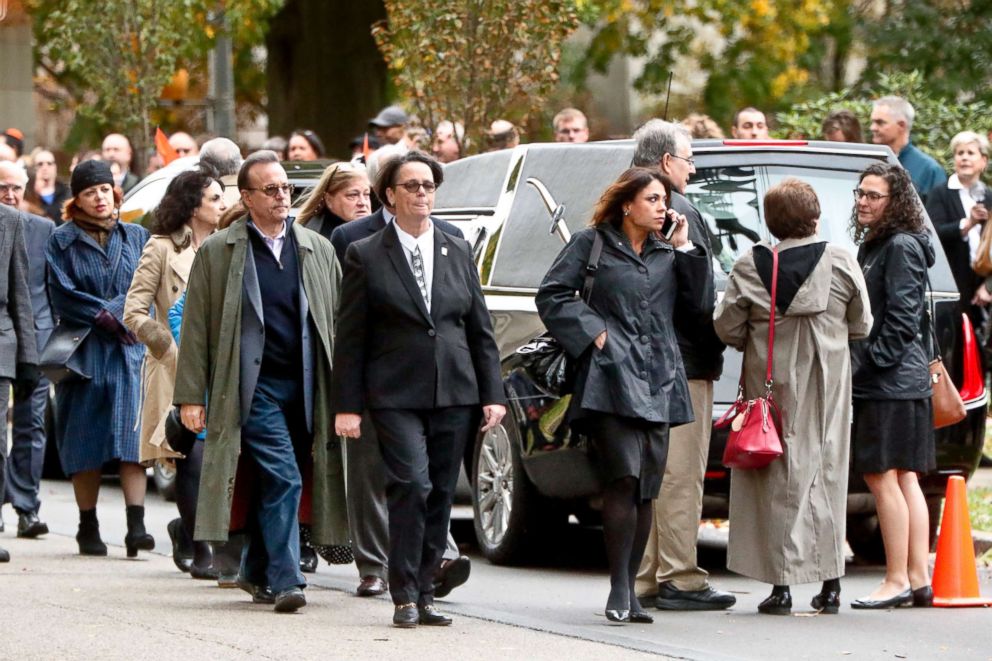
(270, 358)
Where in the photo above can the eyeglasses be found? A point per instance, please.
(413, 186)
(11, 188)
(870, 194)
(690, 161)
(274, 189)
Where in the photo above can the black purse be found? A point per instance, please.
(544, 359)
(58, 360)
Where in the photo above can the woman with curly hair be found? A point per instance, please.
(187, 215)
(342, 194)
(892, 435)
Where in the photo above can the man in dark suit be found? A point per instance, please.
(18, 351)
(27, 451)
(415, 352)
(364, 470)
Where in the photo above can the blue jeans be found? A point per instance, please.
(272, 437)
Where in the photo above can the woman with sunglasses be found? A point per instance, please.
(343, 194)
(892, 436)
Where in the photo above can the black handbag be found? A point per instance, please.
(544, 359)
(58, 361)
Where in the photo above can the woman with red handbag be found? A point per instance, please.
(892, 436)
(787, 519)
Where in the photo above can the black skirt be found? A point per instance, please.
(893, 434)
(628, 447)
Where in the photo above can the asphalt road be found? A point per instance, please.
(560, 604)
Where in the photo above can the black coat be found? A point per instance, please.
(324, 224)
(346, 234)
(946, 211)
(702, 350)
(391, 353)
(639, 372)
(893, 363)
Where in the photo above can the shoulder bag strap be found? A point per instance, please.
(771, 321)
(592, 265)
(929, 312)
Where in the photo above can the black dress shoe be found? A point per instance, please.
(290, 601)
(260, 594)
(208, 573)
(923, 597)
(4, 555)
(432, 617)
(671, 598)
(451, 574)
(182, 557)
(308, 560)
(641, 617)
(371, 586)
(904, 598)
(406, 616)
(618, 616)
(776, 604)
(30, 526)
(827, 602)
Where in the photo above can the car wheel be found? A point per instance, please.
(164, 474)
(865, 538)
(510, 516)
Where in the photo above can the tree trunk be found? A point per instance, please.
(324, 71)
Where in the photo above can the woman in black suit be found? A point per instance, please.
(631, 385)
(415, 348)
(957, 209)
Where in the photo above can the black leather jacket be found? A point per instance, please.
(893, 362)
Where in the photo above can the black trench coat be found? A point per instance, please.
(639, 372)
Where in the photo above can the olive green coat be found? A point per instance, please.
(209, 361)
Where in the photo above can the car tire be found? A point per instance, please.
(164, 475)
(511, 517)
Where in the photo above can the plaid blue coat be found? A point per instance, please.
(97, 419)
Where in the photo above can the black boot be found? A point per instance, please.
(88, 536)
(136, 538)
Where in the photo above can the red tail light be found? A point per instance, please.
(715, 475)
(972, 385)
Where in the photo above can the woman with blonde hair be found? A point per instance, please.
(342, 194)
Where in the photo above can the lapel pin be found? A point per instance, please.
(444, 251)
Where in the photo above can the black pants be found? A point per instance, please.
(422, 452)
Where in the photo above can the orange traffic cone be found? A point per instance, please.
(955, 578)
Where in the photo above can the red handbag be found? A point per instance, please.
(755, 424)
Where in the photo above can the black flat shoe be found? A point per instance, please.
(290, 601)
(181, 557)
(904, 598)
(923, 597)
(30, 526)
(260, 594)
(641, 617)
(208, 573)
(618, 616)
(432, 617)
(827, 602)
(776, 604)
(406, 616)
(451, 574)
(671, 598)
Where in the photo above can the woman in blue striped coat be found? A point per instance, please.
(91, 260)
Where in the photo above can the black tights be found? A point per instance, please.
(626, 526)
(187, 490)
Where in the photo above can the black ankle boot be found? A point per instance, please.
(88, 536)
(136, 538)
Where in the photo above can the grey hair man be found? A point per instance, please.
(224, 156)
(891, 124)
(669, 572)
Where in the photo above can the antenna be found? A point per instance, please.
(668, 95)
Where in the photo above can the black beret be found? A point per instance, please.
(90, 173)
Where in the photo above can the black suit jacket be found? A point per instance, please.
(946, 211)
(391, 353)
(344, 235)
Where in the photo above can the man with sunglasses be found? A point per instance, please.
(255, 346)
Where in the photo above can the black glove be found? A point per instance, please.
(26, 380)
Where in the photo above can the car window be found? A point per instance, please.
(729, 200)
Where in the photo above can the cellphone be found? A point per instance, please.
(669, 226)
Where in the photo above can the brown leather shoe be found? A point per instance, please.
(371, 586)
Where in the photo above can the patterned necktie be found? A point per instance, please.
(418, 273)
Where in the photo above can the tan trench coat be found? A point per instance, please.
(787, 521)
(159, 281)
(210, 361)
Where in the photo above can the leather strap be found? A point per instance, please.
(592, 265)
(771, 319)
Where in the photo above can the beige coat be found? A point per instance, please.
(787, 521)
(159, 281)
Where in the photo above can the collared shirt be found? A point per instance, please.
(274, 244)
(387, 215)
(923, 170)
(426, 244)
(974, 235)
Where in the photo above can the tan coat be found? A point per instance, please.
(787, 521)
(159, 281)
